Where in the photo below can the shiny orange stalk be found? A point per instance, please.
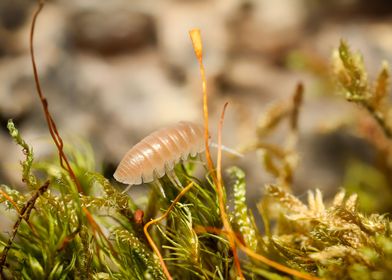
(157, 220)
(217, 177)
(198, 48)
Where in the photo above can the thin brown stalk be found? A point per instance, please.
(297, 100)
(53, 128)
(24, 215)
(7, 197)
(50, 122)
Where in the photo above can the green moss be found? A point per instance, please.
(63, 232)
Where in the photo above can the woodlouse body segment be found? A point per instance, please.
(157, 154)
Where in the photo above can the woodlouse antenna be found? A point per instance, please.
(227, 150)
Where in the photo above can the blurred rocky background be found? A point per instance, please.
(113, 71)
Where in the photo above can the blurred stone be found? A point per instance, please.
(13, 13)
(16, 88)
(111, 31)
(49, 35)
(4, 42)
(325, 157)
(347, 10)
(5, 148)
(267, 26)
(371, 39)
(16, 95)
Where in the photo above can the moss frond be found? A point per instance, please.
(137, 260)
(352, 77)
(27, 176)
(337, 240)
(241, 216)
(78, 225)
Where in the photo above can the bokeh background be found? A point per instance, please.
(113, 71)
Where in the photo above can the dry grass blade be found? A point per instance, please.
(297, 102)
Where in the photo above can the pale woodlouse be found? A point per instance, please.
(156, 154)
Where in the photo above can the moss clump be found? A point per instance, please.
(72, 223)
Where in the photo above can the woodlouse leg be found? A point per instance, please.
(196, 158)
(201, 158)
(156, 183)
(126, 189)
(174, 179)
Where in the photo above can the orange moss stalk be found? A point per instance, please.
(233, 239)
(274, 264)
(10, 200)
(198, 48)
(219, 187)
(157, 220)
(217, 177)
(256, 256)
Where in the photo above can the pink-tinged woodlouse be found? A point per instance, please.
(156, 155)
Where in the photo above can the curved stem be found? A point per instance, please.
(157, 220)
